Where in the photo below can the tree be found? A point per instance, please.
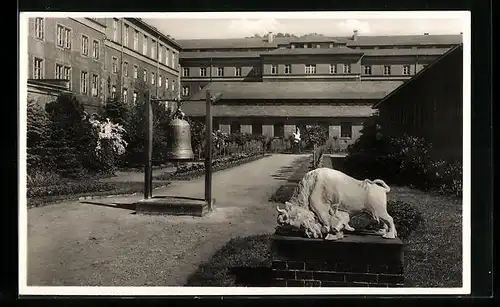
(315, 135)
(37, 137)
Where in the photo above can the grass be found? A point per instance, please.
(114, 188)
(241, 262)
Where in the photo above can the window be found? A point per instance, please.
(67, 74)
(160, 53)
(318, 46)
(310, 69)
(346, 130)
(185, 90)
(95, 49)
(305, 46)
(153, 78)
(166, 56)
(330, 46)
(288, 69)
(145, 75)
(84, 82)
(166, 83)
(134, 97)
(125, 36)
(145, 45)
(387, 69)
(63, 37)
(59, 71)
(220, 71)
(159, 80)
(114, 67)
(125, 69)
(153, 49)
(367, 69)
(136, 40)
(39, 28)
(279, 130)
(95, 85)
(115, 30)
(85, 45)
(333, 69)
(237, 71)
(185, 72)
(173, 60)
(203, 71)
(406, 69)
(125, 95)
(274, 69)
(256, 71)
(136, 71)
(38, 68)
(113, 92)
(347, 68)
(173, 86)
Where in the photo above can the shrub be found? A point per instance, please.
(69, 188)
(314, 135)
(37, 138)
(407, 218)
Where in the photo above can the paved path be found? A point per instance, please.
(78, 244)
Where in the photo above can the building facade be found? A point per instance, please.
(309, 67)
(430, 106)
(101, 59)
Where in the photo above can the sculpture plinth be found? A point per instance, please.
(354, 261)
(173, 205)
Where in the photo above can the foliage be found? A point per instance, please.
(110, 143)
(404, 160)
(222, 269)
(70, 135)
(37, 137)
(314, 135)
(407, 217)
(71, 187)
(116, 111)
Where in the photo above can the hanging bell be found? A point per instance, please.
(179, 138)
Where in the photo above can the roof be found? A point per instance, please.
(392, 52)
(207, 55)
(198, 108)
(156, 31)
(312, 39)
(311, 51)
(360, 41)
(299, 90)
(458, 48)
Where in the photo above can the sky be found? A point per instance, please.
(193, 28)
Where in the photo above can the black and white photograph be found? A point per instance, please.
(262, 153)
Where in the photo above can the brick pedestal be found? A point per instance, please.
(354, 261)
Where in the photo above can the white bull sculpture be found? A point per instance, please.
(325, 199)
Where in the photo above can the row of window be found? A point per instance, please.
(64, 39)
(114, 69)
(155, 47)
(309, 69)
(63, 72)
(279, 129)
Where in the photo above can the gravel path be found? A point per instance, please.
(77, 244)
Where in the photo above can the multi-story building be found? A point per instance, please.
(101, 58)
(289, 81)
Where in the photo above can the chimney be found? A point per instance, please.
(426, 33)
(270, 37)
(355, 35)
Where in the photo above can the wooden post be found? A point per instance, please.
(208, 151)
(148, 166)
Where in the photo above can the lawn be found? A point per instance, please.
(433, 254)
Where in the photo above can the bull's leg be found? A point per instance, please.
(321, 210)
(391, 233)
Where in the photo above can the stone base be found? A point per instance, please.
(173, 205)
(354, 261)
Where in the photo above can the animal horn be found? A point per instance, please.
(282, 211)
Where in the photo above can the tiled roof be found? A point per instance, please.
(312, 39)
(406, 40)
(207, 55)
(197, 108)
(300, 90)
(309, 51)
(419, 51)
(421, 73)
(360, 41)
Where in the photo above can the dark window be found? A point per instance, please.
(279, 130)
(346, 130)
(257, 128)
(235, 127)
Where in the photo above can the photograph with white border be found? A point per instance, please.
(338, 161)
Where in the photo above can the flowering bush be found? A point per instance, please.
(110, 143)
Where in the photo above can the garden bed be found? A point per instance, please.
(56, 193)
(198, 170)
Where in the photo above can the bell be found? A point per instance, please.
(179, 140)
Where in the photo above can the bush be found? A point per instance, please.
(69, 188)
(314, 135)
(37, 138)
(406, 217)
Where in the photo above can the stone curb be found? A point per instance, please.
(117, 195)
